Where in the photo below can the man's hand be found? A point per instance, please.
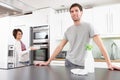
(114, 67)
(41, 63)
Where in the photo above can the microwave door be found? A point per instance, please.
(40, 35)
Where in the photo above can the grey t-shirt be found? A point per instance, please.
(78, 37)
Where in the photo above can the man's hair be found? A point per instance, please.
(76, 5)
(15, 32)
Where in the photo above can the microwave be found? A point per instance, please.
(40, 34)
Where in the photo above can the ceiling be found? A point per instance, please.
(58, 4)
(26, 6)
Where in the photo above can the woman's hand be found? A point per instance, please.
(33, 48)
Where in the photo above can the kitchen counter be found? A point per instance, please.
(55, 73)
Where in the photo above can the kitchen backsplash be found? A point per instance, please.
(112, 46)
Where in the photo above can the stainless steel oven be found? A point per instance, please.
(40, 39)
(42, 53)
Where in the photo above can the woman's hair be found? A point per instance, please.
(15, 32)
(76, 5)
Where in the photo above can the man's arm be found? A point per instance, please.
(100, 44)
(55, 53)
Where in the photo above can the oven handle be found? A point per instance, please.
(43, 46)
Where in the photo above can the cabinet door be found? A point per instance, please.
(100, 19)
(115, 18)
(18, 20)
(63, 21)
(38, 19)
(58, 26)
(87, 16)
(66, 21)
(4, 34)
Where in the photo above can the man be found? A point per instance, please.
(79, 35)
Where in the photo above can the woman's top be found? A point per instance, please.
(22, 54)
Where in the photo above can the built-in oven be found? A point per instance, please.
(40, 39)
(42, 53)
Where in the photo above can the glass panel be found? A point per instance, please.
(40, 55)
(112, 46)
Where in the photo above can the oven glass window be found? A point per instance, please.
(40, 35)
(40, 54)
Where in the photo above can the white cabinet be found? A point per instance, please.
(43, 16)
(100, 19)
(66, 21)
(37, 18)
(63, 21)
(87, 16)
(115, 18)
(107, 19)
(4, 33)
(58, 26)
(30, 20)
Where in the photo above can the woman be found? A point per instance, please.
(21, 53)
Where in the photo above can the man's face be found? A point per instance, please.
(75, 13)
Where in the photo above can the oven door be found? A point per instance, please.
(40, 37)
(41, 54)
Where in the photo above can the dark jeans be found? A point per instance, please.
(71, 65)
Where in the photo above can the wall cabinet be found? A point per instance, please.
(63, 21)
(30, 20)
(100, 19)
(66, 21)
(107, 20)
(115, 18)
(87, 16)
